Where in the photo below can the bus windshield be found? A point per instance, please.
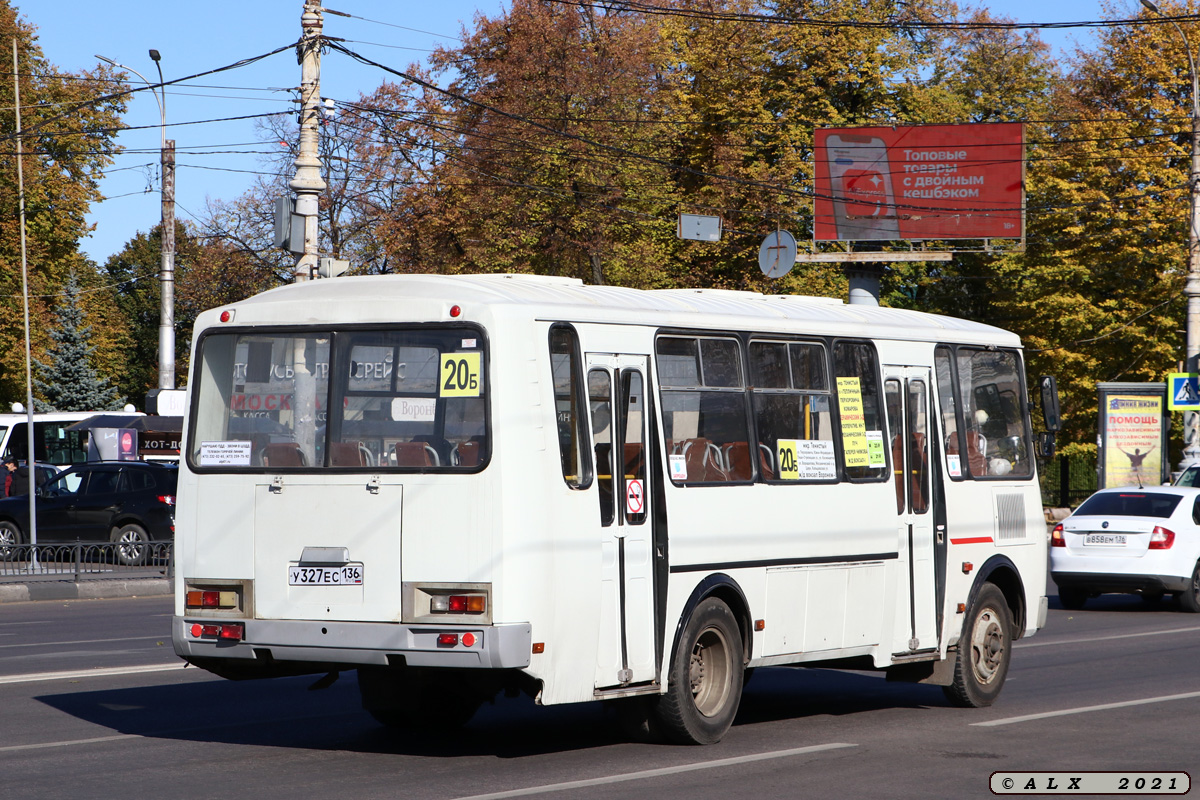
(395, 398)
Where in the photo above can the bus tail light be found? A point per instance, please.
(1056, 537)
(235, 631)
(447, 639)
(209, 599)
(458, 604)
(1161, 539)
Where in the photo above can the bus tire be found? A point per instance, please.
(407, 698)
(704, 685)
(984, 651)
(1189, 598)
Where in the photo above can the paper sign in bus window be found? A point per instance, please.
(806, 460)
(854, 425)
(460, 376)
(875, 452)
(225, 454)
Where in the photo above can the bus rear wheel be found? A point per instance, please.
(704, 685)
(984, 651)
(404, 698)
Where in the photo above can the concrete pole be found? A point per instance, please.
(166, 272)
(308, 184)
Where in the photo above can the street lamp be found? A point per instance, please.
(1191, 289)
(166, 273)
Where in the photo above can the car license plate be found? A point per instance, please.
(1105, 539)
(347, 575)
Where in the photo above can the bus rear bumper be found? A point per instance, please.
(347, 645)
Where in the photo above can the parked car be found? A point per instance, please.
(1189, 477)
(1136, 541)
(131, 503)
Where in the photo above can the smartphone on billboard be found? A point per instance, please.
(864, 205)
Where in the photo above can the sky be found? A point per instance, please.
(194, 37)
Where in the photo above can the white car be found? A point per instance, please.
(1131, 540)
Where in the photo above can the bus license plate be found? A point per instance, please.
(1105, 539)
(348, 575)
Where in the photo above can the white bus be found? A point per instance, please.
(461, 485)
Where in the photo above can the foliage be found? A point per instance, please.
(69, 382)
(67, 120)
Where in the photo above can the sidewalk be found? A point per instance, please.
(21, 589)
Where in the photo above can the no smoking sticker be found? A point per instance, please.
(635, 497)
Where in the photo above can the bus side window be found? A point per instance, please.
(790, 394)
(566, 367)
(600, 402)
(857, 371)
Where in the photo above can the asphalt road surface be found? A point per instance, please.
(94, 704)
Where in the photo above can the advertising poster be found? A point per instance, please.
(1133, 434)
(919, 182)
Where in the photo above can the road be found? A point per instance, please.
(1113, 687)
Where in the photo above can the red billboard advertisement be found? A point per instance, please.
(920, 182)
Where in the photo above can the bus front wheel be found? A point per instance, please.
(984, 651)
(705, 681)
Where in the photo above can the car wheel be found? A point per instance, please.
(133, 545)
(984, 651)
(1189, 598)
(1072, 598)
(10, 537)
(705, 682)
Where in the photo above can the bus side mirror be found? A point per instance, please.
(1050, 410)
(1045, 444)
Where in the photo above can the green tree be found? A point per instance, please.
(68, 122)
(69, 382)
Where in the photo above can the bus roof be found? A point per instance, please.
(387, 298)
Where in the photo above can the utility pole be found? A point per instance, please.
(308, 183)
(166, 272)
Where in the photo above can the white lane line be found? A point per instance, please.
(88, 641)
(655, 773)
(88, 673)
(1086, 709)
(1104, 638)
(12, 748)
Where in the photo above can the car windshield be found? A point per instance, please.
(1129, 504)
(1189, 477)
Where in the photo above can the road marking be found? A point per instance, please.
(88, 673)
(88, 641)
(1086, 709)
(655, 773)
(1104, 638)
(44, 745)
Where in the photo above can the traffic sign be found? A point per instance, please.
(777, 254)
(1183, 391)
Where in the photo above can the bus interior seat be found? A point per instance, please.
(766, 461)
(704, 461)
(738, 466)
(469, 453)
(898, 470)
(634, 459)
(283, 454)
(416, 454)
(346, 454)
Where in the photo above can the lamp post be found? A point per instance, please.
(166, 273)
(1191, 289)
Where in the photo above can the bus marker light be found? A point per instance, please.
(226, 316)
(468, 639)
(962, 608)
(539, 647)
(447, 639)
(760, 624)
(967, 567)
(455, 311)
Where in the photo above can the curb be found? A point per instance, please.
(84, 590)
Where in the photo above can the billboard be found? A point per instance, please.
(1134, 425)
(920, 182)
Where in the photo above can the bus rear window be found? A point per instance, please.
(361, 399)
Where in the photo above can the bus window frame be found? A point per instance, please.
(966, 473)
(290, 330)
(583, 411)
(886, 472)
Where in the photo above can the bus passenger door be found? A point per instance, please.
(907, 394)
(617, 399)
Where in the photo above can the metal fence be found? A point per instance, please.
(87, 561)
(1068, 480)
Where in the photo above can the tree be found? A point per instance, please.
(69, 382)
(68, 124)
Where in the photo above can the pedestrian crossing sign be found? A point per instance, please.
(1183, 391)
